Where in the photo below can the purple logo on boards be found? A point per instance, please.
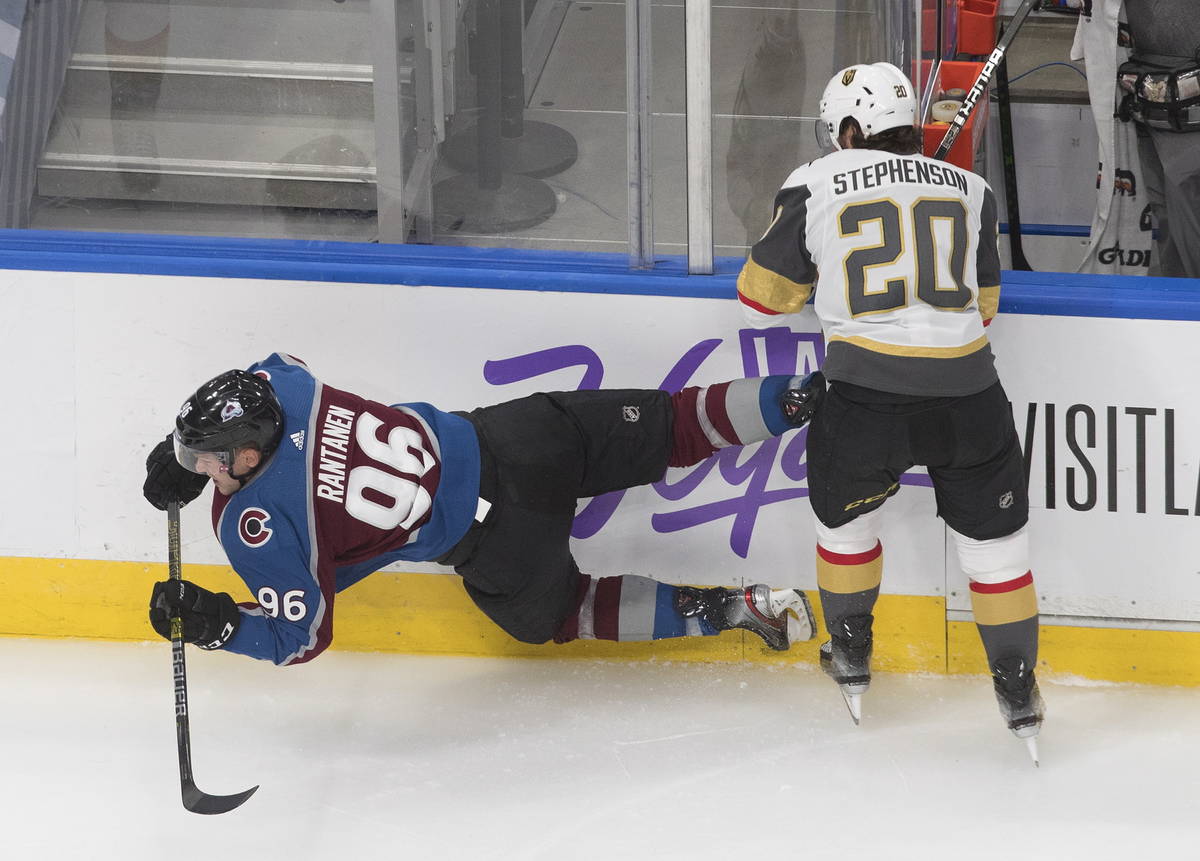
(745, 471)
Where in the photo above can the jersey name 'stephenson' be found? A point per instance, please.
(899, 169)
(909, 269)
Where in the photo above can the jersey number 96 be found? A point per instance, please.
(291, 607)
(402, 452)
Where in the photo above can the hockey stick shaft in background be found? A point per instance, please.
(1008, 156)
(193, 799)
(989, 67)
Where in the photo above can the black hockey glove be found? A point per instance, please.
(209, 619)
(167, 480)
(799, 405)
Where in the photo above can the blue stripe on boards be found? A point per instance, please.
(1051, 229)
(1044, 293)
(359, 262)
(1117, 296)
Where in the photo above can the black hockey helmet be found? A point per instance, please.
(231, 411)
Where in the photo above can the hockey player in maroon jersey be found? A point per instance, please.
(316, 488)
(899, 254)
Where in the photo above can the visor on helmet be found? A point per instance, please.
(197, 461)
(824, 141)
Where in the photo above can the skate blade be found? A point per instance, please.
(1032, 746)
(854, 704)
(1027, 730)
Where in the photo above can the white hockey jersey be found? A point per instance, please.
(908, 263)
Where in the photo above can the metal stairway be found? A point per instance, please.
(236, 102)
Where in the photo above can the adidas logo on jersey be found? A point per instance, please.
(298, 439)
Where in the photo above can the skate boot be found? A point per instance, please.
(781, 617)
(1020, 700)
(846, 658)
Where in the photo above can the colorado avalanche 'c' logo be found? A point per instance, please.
(231, 410)
(253, 529)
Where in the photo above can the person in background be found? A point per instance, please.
(1160, 84)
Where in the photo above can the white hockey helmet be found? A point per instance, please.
(878, 96)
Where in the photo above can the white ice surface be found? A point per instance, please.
(390, 757)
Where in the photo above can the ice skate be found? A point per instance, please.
(846, 658)
(1020, 700)
(781, 617)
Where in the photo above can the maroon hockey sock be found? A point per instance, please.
(739, 412)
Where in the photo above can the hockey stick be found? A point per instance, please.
(193, 799)
(1009, 158)
(968, 106)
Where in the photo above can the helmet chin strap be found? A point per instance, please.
(249, 474)
(228, 473)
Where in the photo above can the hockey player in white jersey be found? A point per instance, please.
(899, 254)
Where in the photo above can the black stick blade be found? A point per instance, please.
(201, 802)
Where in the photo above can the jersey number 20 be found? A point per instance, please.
(930, 253)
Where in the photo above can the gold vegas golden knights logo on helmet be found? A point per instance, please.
(848, 76)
